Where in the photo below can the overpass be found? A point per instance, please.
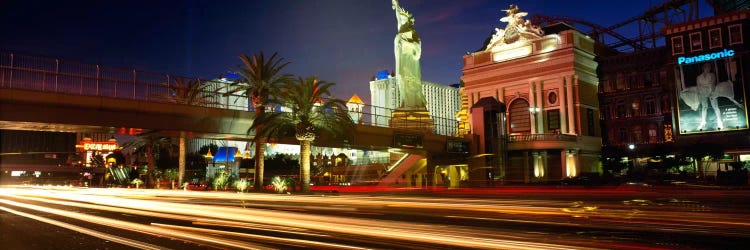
(45, 94)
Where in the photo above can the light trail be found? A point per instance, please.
(369, 228)
(147, 229)
(296, 242)
(105, 236)
(223, 209)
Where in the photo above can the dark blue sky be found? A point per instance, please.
(342, 41)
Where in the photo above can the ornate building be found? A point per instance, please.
(534, 107)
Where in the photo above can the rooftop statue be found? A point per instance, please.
(408, 50)
(517, 29)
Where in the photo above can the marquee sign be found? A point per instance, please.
(98, 146)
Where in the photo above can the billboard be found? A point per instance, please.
(711, 93)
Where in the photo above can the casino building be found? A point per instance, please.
(533, 104)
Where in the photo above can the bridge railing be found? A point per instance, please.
(55, 75)
(27, 72)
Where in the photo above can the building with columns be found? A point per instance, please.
(534, 110)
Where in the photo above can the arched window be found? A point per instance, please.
(520, 121)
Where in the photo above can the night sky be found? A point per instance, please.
(342, 41)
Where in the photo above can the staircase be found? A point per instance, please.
(401, 167)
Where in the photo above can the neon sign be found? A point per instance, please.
(705, 57)
(98, 146)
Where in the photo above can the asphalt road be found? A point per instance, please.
(522, 218)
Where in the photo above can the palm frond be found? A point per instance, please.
(260, 78)
(190, 92)
(308, 110)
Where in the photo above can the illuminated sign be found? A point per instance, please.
(513, 53)
(705, 57)
(98, 146)
(711, 94)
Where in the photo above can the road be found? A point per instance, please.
(528, 218)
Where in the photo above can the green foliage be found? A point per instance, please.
(242, 184)
(310, 111)
(222, 180)
(171, 174)
(190, 92)
(137, 182)
(279, 184)
(151, 146)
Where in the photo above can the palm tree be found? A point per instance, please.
(190, 92)
(150, 145)
(308, 111)
(260, 79)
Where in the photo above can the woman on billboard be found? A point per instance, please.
(707, 92)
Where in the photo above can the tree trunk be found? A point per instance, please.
(181, 162)
(260, 149)
(304, 158)
(151, 167)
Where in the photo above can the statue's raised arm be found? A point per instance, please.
(397, 9)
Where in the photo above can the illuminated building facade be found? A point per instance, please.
(534, 110)
(708, 61)
(443, 102)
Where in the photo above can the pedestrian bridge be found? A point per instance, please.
(54, 95)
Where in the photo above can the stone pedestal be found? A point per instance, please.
(412, 119)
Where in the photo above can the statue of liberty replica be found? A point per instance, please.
(407, 47)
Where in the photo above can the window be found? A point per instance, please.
(650, 106)
(553, 119)
(695, 42)
(520, 121)
(620, 81)
(590, 121)
(637, 134)
(735, 34)
(652, 135)
(552, 98)
(677, 46)
(623, 135)
(620, 110)
(714, 38)
(648, 79)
